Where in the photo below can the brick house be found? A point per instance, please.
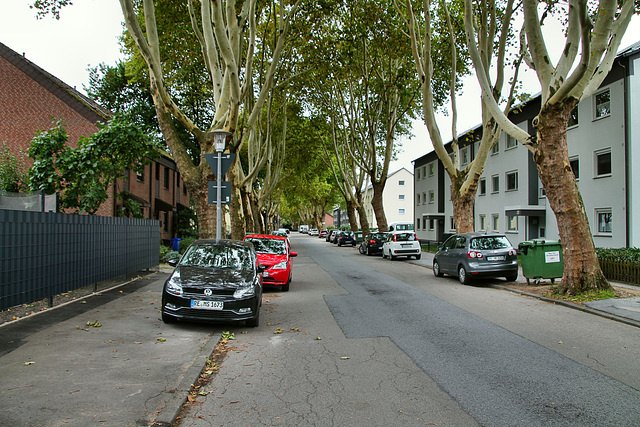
(31, 99)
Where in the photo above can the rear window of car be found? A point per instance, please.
(490, 242)
(405, 237)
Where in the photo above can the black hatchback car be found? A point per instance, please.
(215, 281)
(346, 238)
(472, 255)
(372, 243)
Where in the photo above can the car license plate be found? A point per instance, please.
(207, 305)
(495, 258)
(407, 246)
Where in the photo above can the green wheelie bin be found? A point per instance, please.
(541, 259)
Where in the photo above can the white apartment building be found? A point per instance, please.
(397, 198)
(604, 149)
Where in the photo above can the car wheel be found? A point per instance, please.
(360, 249)
(418, 256)
(463, 276)
(436, 269)
(255, 322)
(166, 318)
(512, 277)
(368, 251)
(384, 255)
(285, 287)
(354, 244)
(391, 256)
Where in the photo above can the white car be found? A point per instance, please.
(401, 243)
(313, 232)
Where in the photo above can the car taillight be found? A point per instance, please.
(395, 237)
(474, 254)
(372, 242)
(513, 252)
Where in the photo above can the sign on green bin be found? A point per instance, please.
(541, 259)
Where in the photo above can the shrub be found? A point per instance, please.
(621, 254)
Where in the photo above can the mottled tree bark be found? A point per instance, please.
(581, 267)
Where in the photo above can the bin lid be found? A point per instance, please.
(525, 243)
(544, 242)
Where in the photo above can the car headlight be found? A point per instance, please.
(245, 291)
(174, 286)
(280, 266)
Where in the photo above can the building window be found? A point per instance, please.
(432, 224)
(401, 183)
(166, 178)
(604, 219)
(165, 223)
(575, 167)
(157, 172)
(424, 198)
(418, 199)
(418, 223)
(452, 223)
(512, 223)
(417, 174)
(603, 163)
(483, 186)
(401, 211)
(512, 181)
(464, 156)
(495, 222)
(573, 118)
(543, 193)
(495, 184)
(178, 179)
(400, 196)
(496, 148)
(140, 176)
(602, 104)
(432, 168)
(483, 222)
(511, 142)
(432, 196)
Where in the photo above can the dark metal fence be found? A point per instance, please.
(44, 253)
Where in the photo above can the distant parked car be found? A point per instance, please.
(274, 253)
(401, 243)
(334, 236)
(214, 281)
(346, 238)
(471, 255)
(330, 234)
(372, 243)
(313, 232)
(322, 234)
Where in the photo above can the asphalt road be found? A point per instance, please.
(367, 341)
(357, 341)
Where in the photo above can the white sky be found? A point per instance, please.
(87, 35)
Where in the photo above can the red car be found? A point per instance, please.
(274, 252)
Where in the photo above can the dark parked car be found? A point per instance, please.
(334, 236)
(215, 281)
(372, 244)
(346, 238)
(472, 255)
(330, 233)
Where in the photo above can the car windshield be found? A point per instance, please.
(212, 255)
(268, 246)
(490, 242)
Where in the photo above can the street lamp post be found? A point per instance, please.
(219, 143)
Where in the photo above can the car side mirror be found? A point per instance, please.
(292, 254)
(173, 262)
(261, 268)
(440, 248)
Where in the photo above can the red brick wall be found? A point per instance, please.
(27, 107)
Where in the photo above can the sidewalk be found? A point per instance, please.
(106, 360)
(625, 310)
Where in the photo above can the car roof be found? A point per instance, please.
(223, 242)
(266, 236)
(479, 234)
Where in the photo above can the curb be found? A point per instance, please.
(574, 306)
(168, 415)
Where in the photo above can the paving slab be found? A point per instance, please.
(628, 308)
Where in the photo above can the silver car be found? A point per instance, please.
(474, 255)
